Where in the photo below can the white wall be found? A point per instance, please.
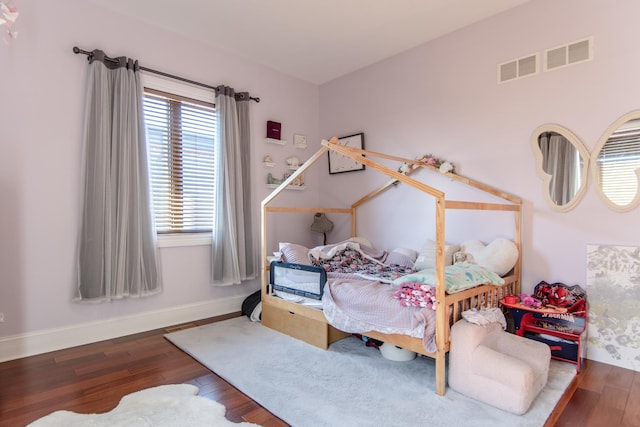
(442, 98)
(41, 112)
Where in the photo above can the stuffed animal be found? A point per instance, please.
(530, 301)
(459, 257)
(293, 161)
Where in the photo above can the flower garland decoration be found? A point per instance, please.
(443, 166)
(8, 15)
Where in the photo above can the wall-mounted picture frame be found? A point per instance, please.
(339, 163)
(299, 140)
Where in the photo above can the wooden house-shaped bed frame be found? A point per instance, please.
(310, 325)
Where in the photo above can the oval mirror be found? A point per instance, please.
(616, 164)
(562, 162)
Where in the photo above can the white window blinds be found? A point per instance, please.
(618, 161)
(181, 135)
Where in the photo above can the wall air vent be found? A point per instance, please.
(518, 68)
(569, 54)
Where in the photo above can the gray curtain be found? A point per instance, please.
(561, 160)
(116, 251)
(233, 250)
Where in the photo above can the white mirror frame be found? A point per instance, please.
(596, 169)
(546, 178)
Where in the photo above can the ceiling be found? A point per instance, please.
(313, 40)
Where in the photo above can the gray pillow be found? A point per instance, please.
(292, 252)
(402, 257)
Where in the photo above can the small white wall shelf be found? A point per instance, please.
(289, 187)
(269, 164)
(275, 141)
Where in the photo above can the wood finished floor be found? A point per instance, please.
(94, 377)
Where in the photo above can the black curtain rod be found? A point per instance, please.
(77, 50)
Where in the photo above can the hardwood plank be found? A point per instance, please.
(631, 415)
(25, 363)
(597, 376)
(210, 385)
(114, 361)
(578, 410)
(54, 393)
(264, 418)
(620, 377)
(610, 407)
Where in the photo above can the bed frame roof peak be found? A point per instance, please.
(365, 157)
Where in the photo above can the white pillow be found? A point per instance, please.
(410, 253)
(427, 256)
(498, 256)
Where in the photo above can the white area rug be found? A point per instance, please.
(174, 405)
(348, 385)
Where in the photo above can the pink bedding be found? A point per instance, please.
(360, 306)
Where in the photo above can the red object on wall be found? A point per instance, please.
(273, 129)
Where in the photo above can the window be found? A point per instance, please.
(181, 138)
(618, 161)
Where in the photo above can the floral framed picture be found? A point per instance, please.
(614, 320)
(339, 163)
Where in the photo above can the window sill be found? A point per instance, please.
(176, 240)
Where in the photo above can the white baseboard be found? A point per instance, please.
(44, 341)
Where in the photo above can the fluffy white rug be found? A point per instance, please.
(348, 385)
(163, 406)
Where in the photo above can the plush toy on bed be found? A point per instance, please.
(459, 257)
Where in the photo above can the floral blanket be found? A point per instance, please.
(351, 260)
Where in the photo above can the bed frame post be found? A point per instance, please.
(263, 250)
(353, 222)
(517, 270)
(441, 309)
